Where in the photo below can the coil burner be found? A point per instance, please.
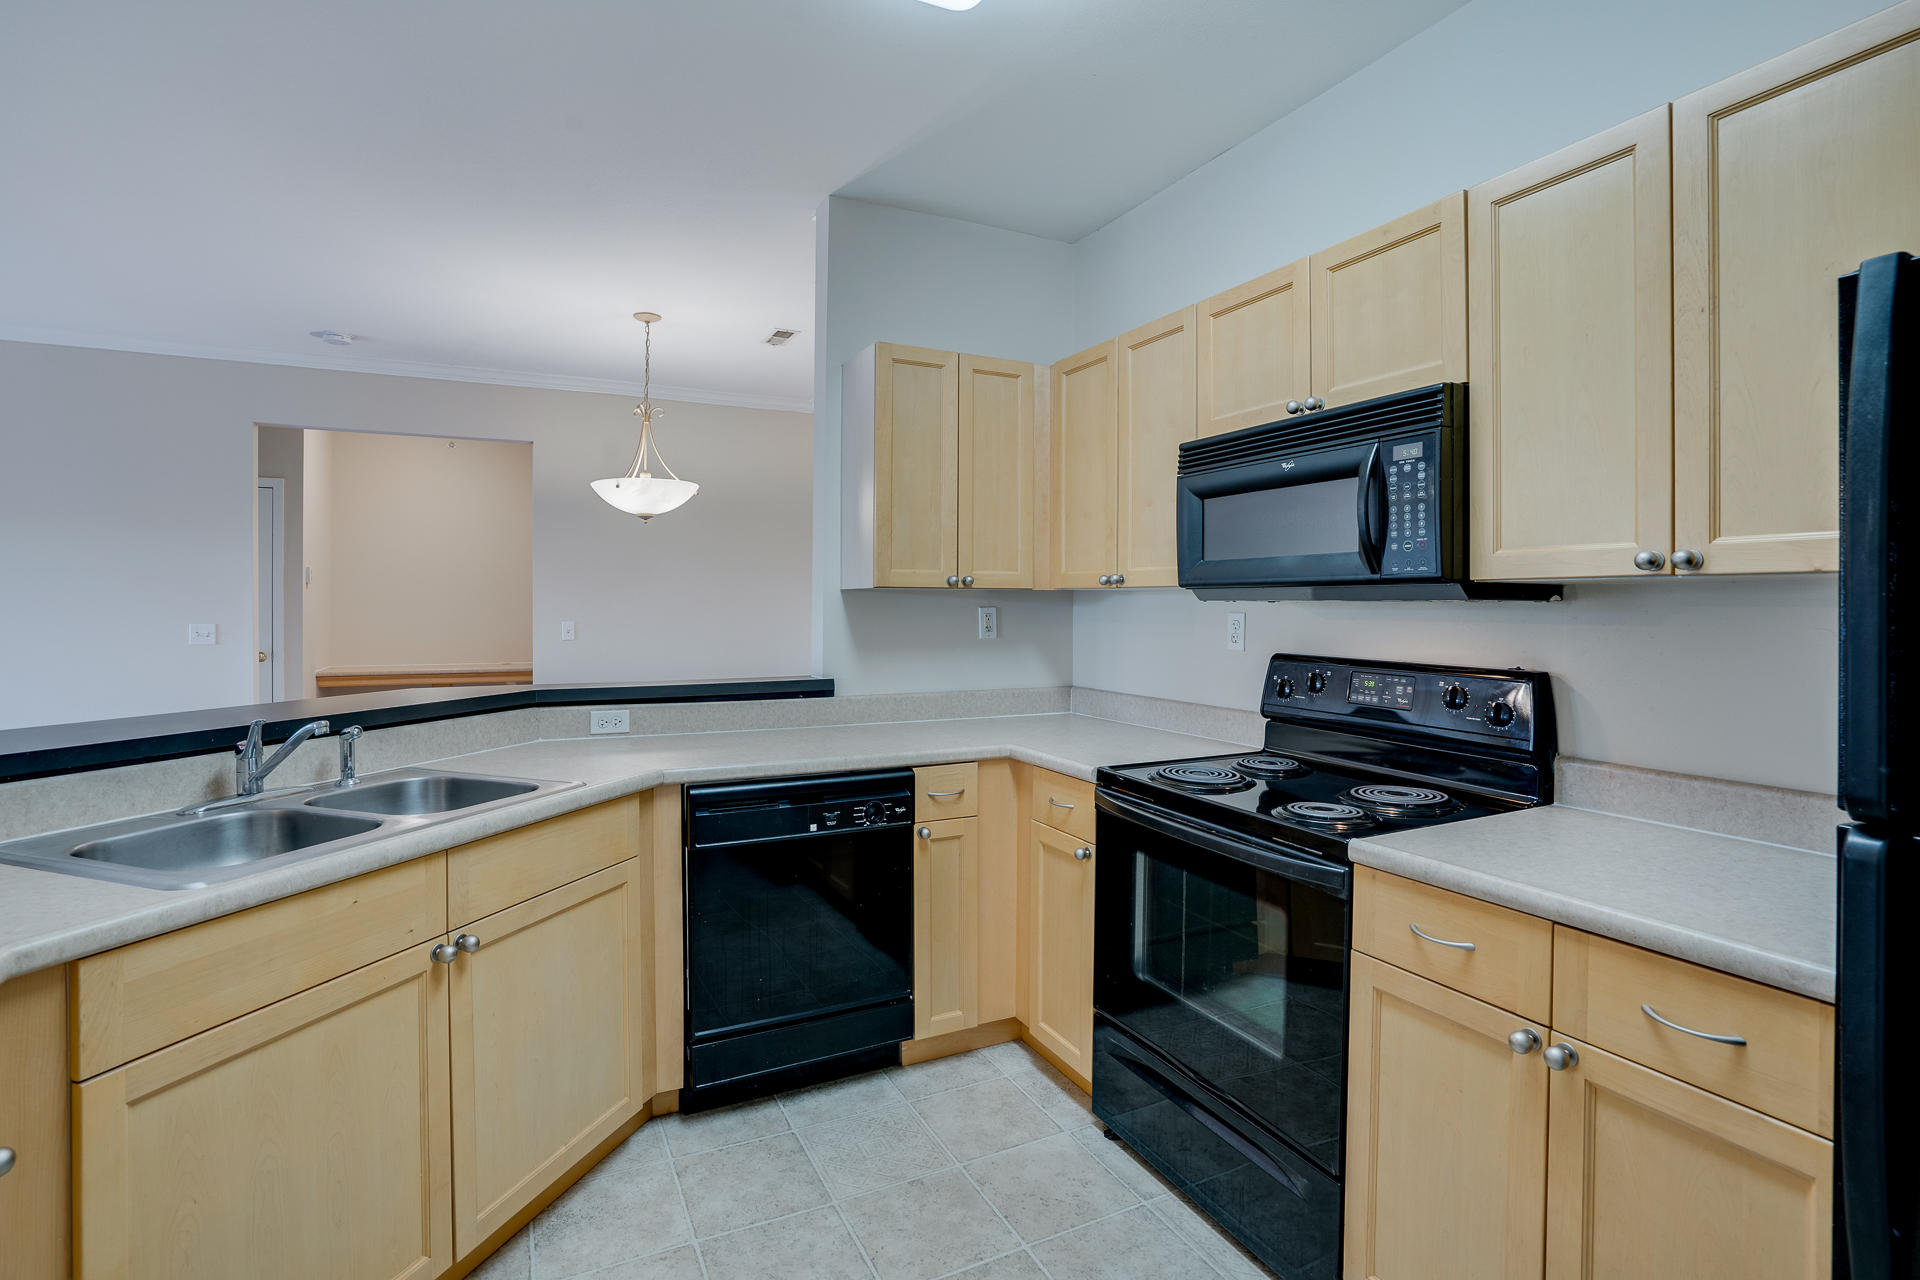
(1325, 816)
(1401, 802)
(1201, 779)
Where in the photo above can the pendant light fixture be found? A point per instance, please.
(640, 492)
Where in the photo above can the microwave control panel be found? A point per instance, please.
(1412, 545)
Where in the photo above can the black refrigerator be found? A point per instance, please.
(1876, 1219)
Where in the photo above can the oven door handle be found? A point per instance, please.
(1370, 508)
(1213, 1124)
(1283, 862)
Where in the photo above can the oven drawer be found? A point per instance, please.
(1265, 1194)
(1784, 1069)
(1509, 962)
(946, 791)
(1063, 803)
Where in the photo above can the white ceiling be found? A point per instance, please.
(487, 189)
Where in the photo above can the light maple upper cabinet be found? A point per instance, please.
(946, 926)
(305, 1139)
(548, 1047)
(1446, 1135)
(1155, 407)
(1082, 519)
(1647, 1176)
(996, 472)
(1060, 1001)
(936, 470)
(1253, 351)
(1390, 306)
(1784, 178)
(1572, 360)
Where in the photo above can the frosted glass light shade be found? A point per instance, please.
(645, 496)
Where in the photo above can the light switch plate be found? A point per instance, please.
(202, 633)
(566, 630)
(1236, 633)
(599, 721)
(989, 622)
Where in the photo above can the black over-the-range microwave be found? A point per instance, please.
(1365, 501)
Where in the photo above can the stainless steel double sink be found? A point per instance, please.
(190, 850)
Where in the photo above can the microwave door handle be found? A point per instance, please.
(1369, 507)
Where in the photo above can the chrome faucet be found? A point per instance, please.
(249, 774)
(349, 773)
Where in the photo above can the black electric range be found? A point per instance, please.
(1223, 920)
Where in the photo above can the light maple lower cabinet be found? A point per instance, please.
(1446, 1134)
(548, 1050)
(946, 927)
(1647, 1176)
(305, 1141)
(1061, 999)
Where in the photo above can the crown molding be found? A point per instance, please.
(406, 369)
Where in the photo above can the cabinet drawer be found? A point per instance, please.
(1063, 803)
(945, 791)
(1784, 1069)
(493, 874)
(146, 995)
(1509, 963)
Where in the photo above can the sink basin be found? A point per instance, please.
(222, 839)
(429, 793)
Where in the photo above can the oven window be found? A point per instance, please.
(1294, 520)
(1235, 973)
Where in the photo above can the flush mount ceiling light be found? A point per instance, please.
(640, 492)
(332, 337)
(958, 6)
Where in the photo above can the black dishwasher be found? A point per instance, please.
(799, 931)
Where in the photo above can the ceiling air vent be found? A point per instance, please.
(779, 337)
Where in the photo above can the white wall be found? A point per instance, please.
(317, 549)
(431, 551)
(1731, 678)
(888, 275)
(126, 512)
(282, 455)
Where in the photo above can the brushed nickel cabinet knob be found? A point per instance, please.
(1650, 561)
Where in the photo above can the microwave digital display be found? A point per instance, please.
(1370, 688)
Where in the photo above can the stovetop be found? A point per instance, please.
(1365, 749)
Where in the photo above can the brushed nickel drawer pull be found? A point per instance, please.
(1441, 942)
(945, 795)
(1704, 1035)
(1059, 804)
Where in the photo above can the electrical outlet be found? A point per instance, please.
(607, 721)
(989, 622)
(202, 633)
(1236, 633)
(566, 631)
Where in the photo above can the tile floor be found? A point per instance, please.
(986, 1165)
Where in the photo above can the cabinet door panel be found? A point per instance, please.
(1572, 359)
(547, 1042)
(1155, 407)
(34, 1101)
(916, 459)
(1062, 999)
(1390, 306)
(1785, 177)
(305, 1141)
(946, 927)
(1647, 1176)
(1084, 489)
(996, 472)
(1446, 1135)
(1253, 351)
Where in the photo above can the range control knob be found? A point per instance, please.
(1455, 696)
(1500, 715)
(1316, 682)
(1285, 687)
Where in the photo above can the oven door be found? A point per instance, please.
(1227, 957)
(1315, 518)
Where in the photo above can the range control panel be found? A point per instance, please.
(1469, 703)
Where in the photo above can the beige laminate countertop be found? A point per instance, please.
(1761, 911)
(47, 918)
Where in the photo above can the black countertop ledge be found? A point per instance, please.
(98, 744)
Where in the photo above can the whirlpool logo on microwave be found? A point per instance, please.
(1286, 466)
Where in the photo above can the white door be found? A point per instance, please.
(266, 595)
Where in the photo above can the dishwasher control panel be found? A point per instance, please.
(750, 812)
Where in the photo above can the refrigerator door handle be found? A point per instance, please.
(1860, 1047)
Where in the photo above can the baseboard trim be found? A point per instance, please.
(987, 1033)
